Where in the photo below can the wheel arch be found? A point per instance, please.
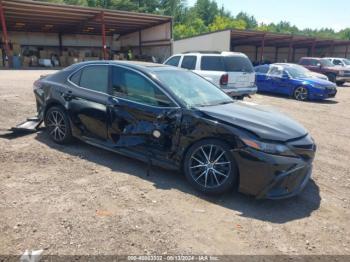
(50, 103)
(302, 85)
(232, 144)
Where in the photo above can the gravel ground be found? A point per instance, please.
(78, 199)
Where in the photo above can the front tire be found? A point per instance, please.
(301, 93)
(58, 125)
(332, 77)
(340, 83)
(209, 167)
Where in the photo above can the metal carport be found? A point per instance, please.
(290, 42)
(262, 46)
(141, 30)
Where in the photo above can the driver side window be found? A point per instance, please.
(276, 71)
(337, 62)
(133, 86)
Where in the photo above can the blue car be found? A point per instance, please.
(294, 81)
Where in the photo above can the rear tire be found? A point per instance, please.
(58, 125)
(301, 93)
(209, 167)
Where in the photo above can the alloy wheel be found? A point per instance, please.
(209, 166)
(56, 125)
(301, 93)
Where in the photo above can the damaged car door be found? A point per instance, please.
(87, 98)
(142, 116)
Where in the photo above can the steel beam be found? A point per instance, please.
(103, 29)
(4, 32)
(276, 54)
(140, 42)
(60, 42)
(331, 49)
(313, 48)
(262, 48)
(290, 48)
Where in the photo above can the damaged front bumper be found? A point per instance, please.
(31, 125)
(271, 176)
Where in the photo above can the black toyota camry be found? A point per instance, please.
(176, 119)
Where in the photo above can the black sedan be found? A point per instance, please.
(176, 119)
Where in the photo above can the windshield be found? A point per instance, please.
(191, 89)
(326, 63)
(346, 61)
(297, 72)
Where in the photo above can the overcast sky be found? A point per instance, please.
(303, 13)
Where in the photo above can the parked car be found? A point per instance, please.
(294, 81)
(231, 71)
(335, 74)
(343, 62)
(176, 119)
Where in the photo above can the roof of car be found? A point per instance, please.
(139, 65)
(318, 58)
(213, 53)
(341, 58)
(286, 64)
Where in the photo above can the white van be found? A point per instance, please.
(231, 71)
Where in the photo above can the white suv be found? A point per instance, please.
(231, 71)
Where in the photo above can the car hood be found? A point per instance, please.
(317, 75)
(264, 122)
(317, 81)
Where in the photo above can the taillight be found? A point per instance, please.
(224, 80)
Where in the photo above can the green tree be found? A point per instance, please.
(345, 34)
(175, 8)
(222, 22)
(206, 10)
(249, 20)
(194, 27)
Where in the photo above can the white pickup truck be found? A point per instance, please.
(231, 71)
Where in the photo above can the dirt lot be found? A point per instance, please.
(78, 199)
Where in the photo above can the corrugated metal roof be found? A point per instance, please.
(30, 16)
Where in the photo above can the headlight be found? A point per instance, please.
(271, 148)
(341, 73)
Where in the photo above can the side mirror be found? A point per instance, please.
(319, 65)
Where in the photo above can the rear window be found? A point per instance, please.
(238, 64)
(262, 69)
(189, 62)
(212, 63)
(227, 64)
